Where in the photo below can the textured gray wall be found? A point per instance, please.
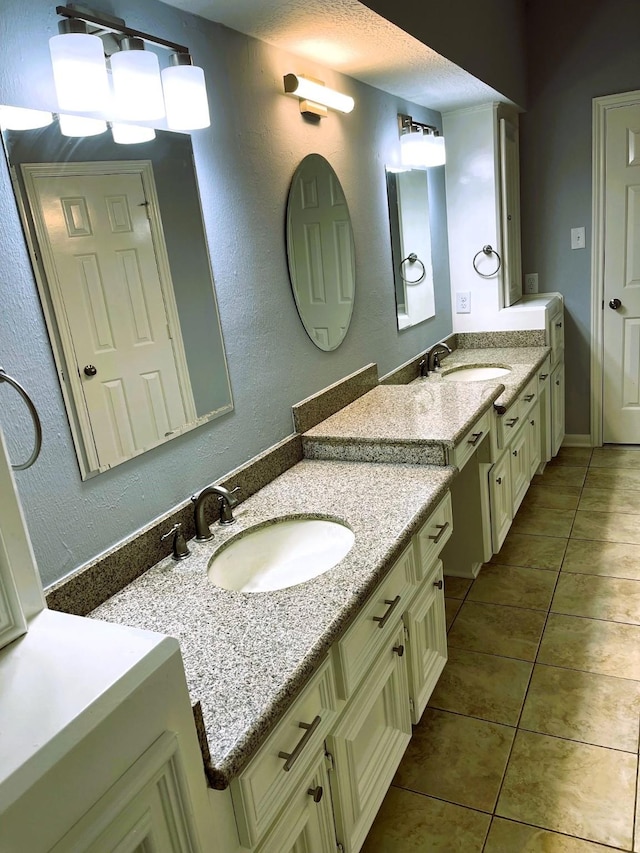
(485, 37)
(245, 162)
(577, 50)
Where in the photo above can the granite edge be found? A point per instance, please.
(390, 451)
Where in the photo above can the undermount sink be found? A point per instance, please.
(476, 374)
(280, 554)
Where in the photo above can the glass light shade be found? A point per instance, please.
(437, 153)
(137, 86)
(129, 134)
(185, 97)
(81, 126)
(318, 93)
(412, 149)
(20, 118)
(79, 72)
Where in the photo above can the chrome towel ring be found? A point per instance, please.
(487, 250)
(4, 377)
(412, 259)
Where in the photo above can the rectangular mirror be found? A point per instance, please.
(408, 196)
(117, 242)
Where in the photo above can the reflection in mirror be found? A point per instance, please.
(122, 265)
(320, 252)
(408, 195)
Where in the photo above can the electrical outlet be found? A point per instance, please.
(577, 238)
(531, 282)
(463, 302)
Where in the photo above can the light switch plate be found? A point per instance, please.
(577, 238)
(463, 302)
(531, 282)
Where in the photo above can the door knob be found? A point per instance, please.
(90, 370)
(615, 304)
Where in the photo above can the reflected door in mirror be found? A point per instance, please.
(111, 300)
(320, 252)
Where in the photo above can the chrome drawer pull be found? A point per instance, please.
(543, 376)
(441, 527)
(316, 793)
(399, 650)
(558, 325)
(515, 452)
(529, 398)
(439, 584)
(292, 757)
(512, 422)
(476, 438)
(499, 481)
(382, 620)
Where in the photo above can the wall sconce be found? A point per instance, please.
(140, 91)
(315, 97)
(421, 145)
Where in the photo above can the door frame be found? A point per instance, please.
(601, 107)
(53, 304)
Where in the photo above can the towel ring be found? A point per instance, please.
(487, 250)
(4, 377)
(412, 259)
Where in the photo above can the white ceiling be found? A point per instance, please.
(354, 40)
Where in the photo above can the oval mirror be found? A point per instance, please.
(320, 252)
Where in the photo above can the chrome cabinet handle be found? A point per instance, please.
(533, 423)
(382, 620)
(499, 481)
(543, 376)
(512, 422)
(441, 529)
(439, 584)
(515, 452)
(399, 650)
(557, 381)
(476, 438)
(558, 325)
(292, 757)
(316, 793)
(529, 398)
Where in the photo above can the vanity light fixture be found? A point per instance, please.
(140, 93)
(71, 125)
(315, 97)
(421, 145)
(130, 134)
(20, 118)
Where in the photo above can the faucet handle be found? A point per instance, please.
(234, 501)
(180, 549)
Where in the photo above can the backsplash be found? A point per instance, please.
(318, 407)
(482, 340)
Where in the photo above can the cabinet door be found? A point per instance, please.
(368, 744)
(426, 636)
(306, 824)
(519, 462)
(510, 204)
(557, 408)
(500, 497)
(556, 336)
(534, 439)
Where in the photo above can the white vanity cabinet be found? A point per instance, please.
(557, 407)
(500, 497)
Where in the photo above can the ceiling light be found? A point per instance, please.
(80, 126)
(79, 70)
(312, 92)
(137, 87)
(185, 94)
(130, 134)
(20, 118)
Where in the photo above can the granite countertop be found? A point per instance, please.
(247, 655)
(522, 361)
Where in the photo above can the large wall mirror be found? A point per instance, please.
(119, 250)
(320, 252)
(408, 195)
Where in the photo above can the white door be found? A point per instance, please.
(621, 331)
(113, 306)
(321, 242)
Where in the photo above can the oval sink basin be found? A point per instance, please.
(280, 555)
(476, 374)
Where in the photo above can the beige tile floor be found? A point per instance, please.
(530, 740)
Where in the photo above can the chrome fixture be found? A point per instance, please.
(37, 426)
(432, 358)
(315, 97)
(421, 145)
(487, 251)
(226, 502)
(180, 549)
(141, 91)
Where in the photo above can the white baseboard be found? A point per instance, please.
(577, 441)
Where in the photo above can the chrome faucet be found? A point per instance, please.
(226, 502)
(432, 358)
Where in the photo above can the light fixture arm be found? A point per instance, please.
(406, 124)
(117, 26)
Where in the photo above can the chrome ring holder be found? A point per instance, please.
(487, 250)
(4, 377)
(412, 259)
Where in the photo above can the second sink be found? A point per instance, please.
(475, 374)
(280, 554)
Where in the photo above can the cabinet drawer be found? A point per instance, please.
(260, 790)
(433, 536)
(355, 651)
(509, 423)
(464, 449)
